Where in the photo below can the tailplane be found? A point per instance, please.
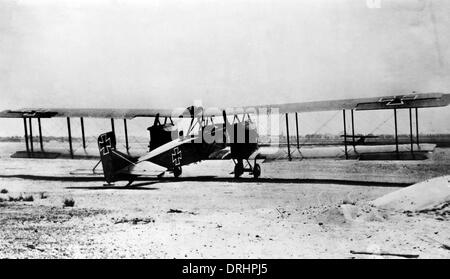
(114, 163)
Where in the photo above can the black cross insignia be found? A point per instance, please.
(176, 156)
(397, 100)
(104, 144)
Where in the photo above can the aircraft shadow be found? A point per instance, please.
(154, 180)
(135, 186)
(278, 181)
(55, 178)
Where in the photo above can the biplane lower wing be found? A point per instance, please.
(268, 153)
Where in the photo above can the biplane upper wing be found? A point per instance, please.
(415, 100)
(93, 113)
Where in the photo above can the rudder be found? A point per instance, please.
(113, 161)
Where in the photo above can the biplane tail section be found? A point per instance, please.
(114, 163)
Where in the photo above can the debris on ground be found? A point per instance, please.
(15, 199)
(423, 196)
(409, 256)
(134, 221)
(282, 213)
(21, 197)
(31, 246)
(68, 202)
(4, 191)
(28, 198)
(348, 201)
(175, 211)
(180, 211)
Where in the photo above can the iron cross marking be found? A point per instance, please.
(176, 156)
(104, 145)
(397, 100)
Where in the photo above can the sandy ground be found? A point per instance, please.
(294, 212)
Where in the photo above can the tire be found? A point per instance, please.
(256, 171)
(177, 172)
(238, 170)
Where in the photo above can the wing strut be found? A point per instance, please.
(287, 135)
(30, 123)
(345, 135)
(417, 126)
(26, 134)
(353, 132)
(296, 128)
(82, 132)
(126, 135)
(411, 132)
(40, 135)
(396, 133)
(70, 137)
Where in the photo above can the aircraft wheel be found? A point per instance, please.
(256, 171)
(177, 172)
(238, 169)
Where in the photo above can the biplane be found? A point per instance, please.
(212, 136)
(358, 139)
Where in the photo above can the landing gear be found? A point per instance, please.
(176, 171)
(256, 170)
(239, 169)
(130, 182)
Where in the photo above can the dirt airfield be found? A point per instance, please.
(294, 211)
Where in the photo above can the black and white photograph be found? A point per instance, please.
(213, 129)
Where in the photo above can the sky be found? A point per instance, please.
(168, 53)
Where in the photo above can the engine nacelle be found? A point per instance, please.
(243, 137)
(161, 133)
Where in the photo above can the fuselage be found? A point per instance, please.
(177, 150)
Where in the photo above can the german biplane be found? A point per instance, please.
(358, 139)
(211, 135)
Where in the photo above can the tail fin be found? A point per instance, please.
(113, 161)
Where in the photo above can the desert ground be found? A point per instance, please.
(293, 211)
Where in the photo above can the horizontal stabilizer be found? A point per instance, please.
(146, 169)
